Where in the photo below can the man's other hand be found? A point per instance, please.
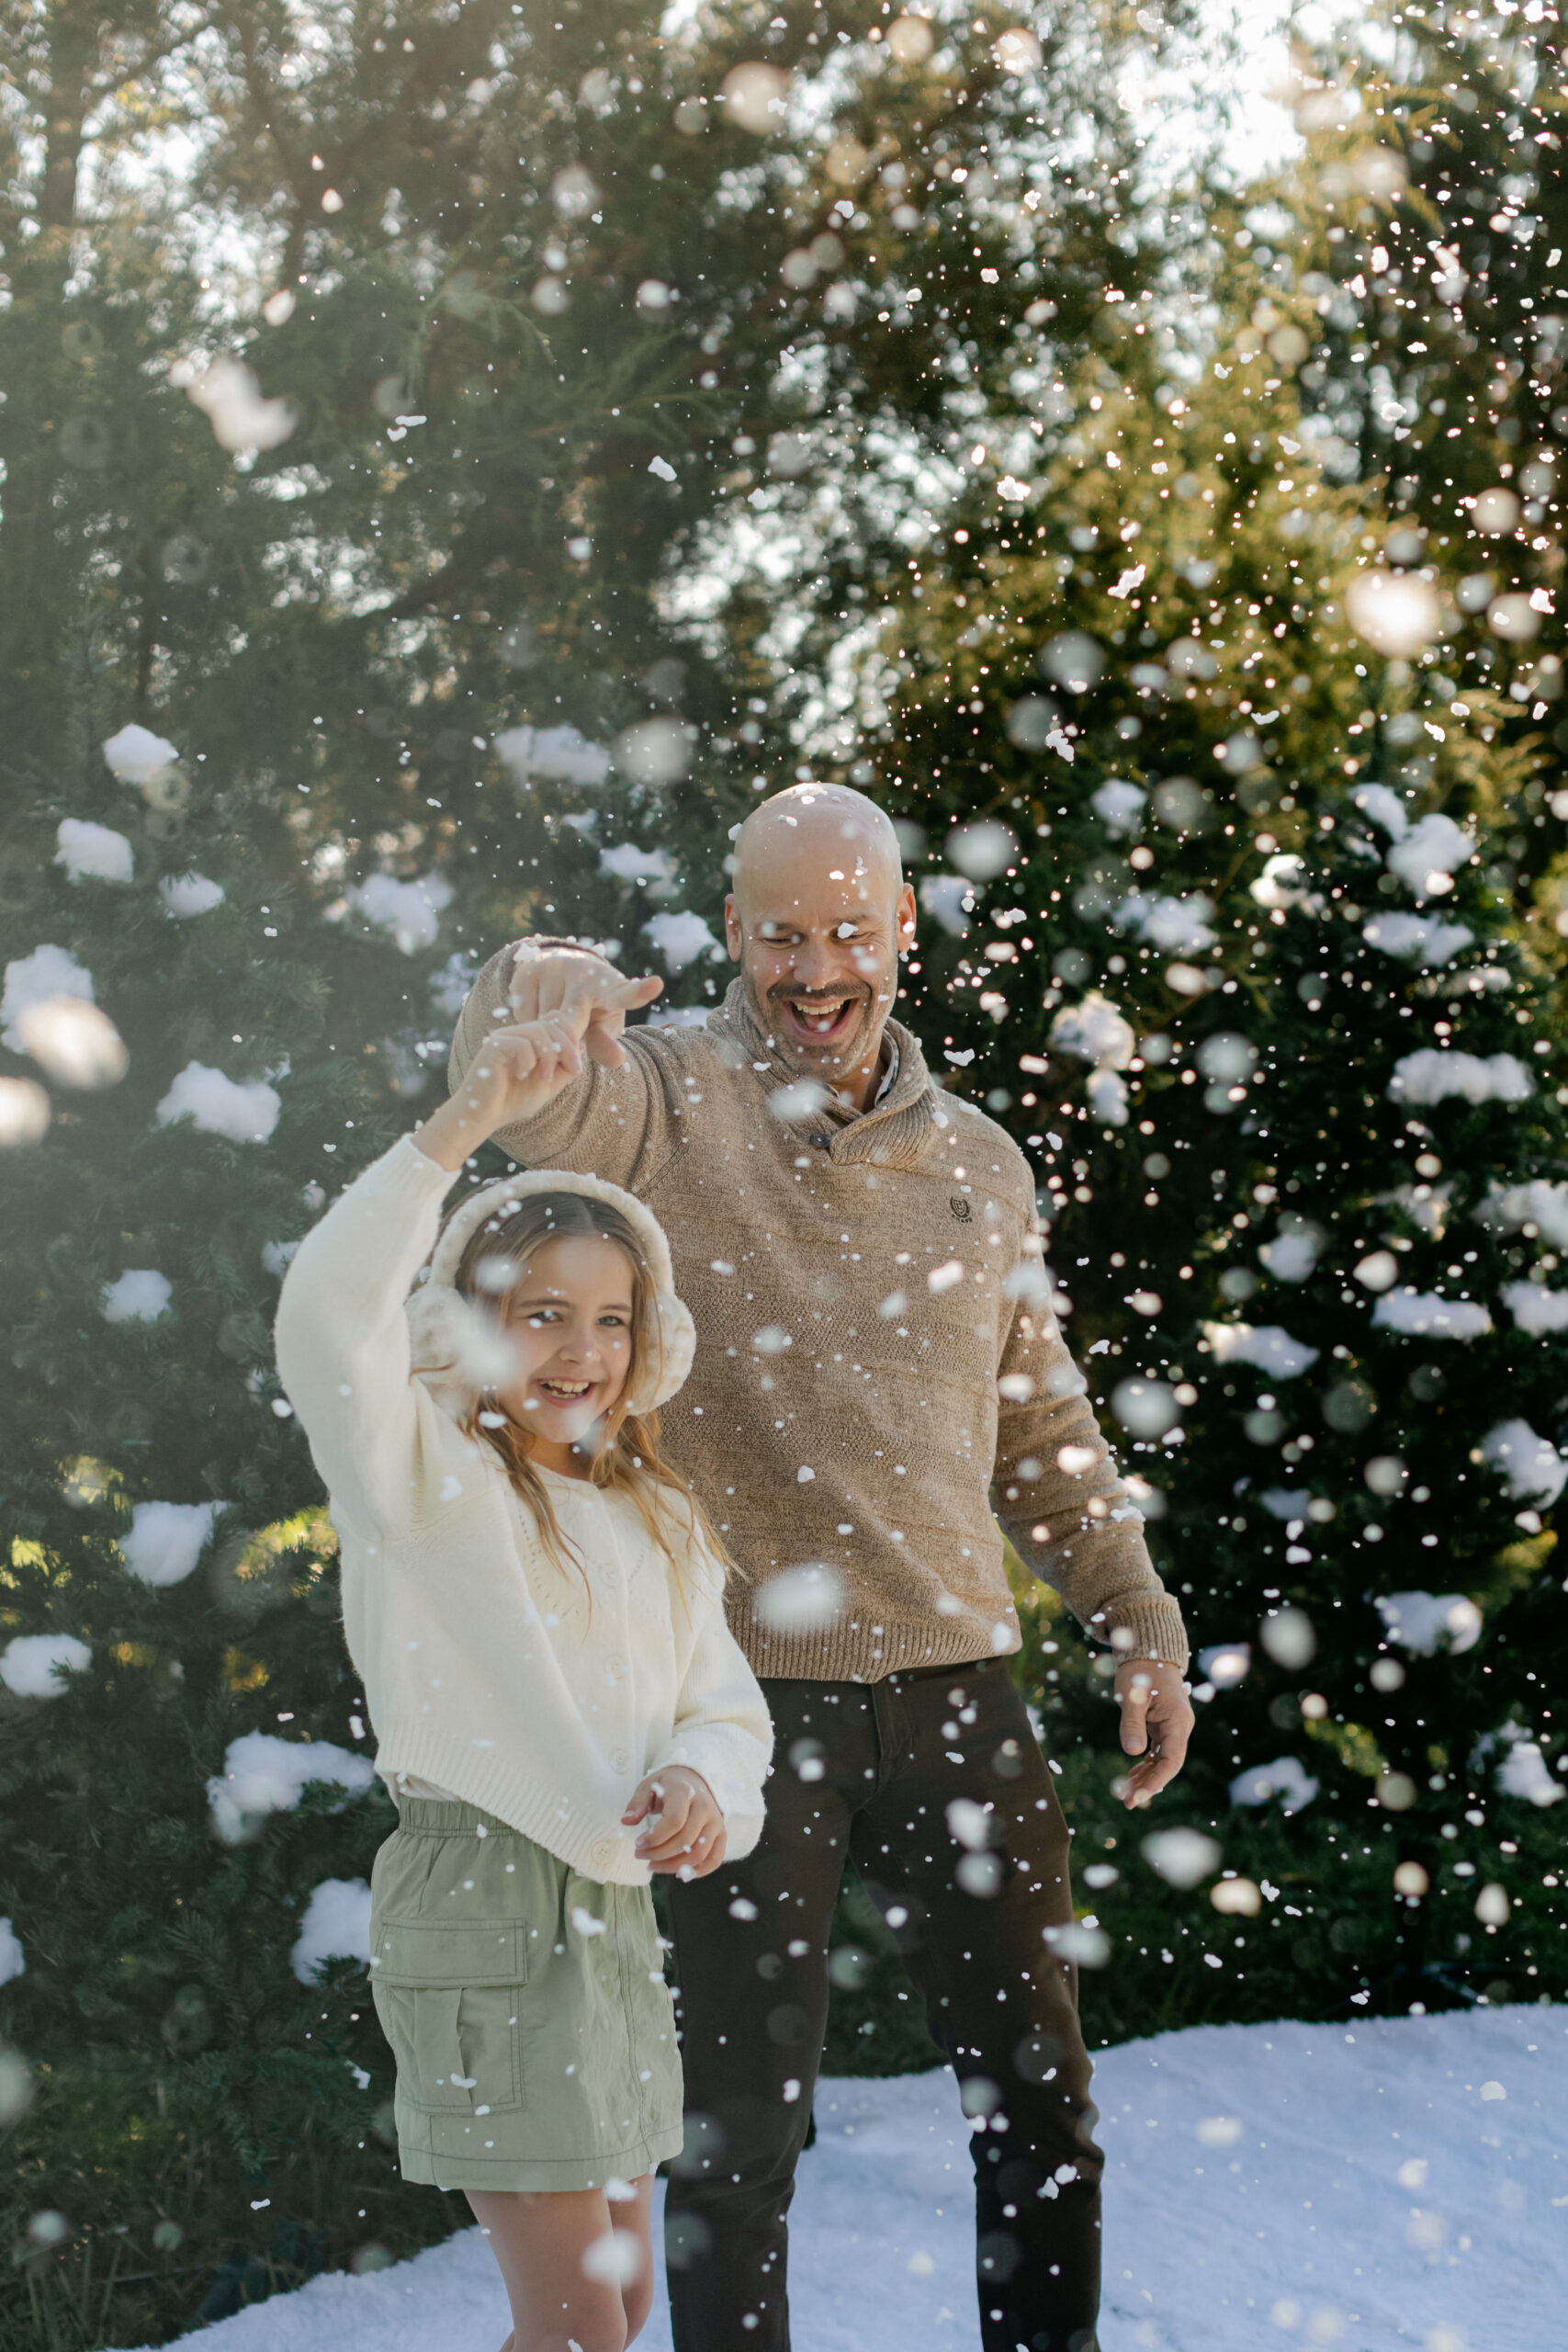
(576, 981)
(1157, 1724)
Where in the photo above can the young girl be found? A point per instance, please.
(533, 1603)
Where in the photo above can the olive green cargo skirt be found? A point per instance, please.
(526, 2007)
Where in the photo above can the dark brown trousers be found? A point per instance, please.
(868, 1772)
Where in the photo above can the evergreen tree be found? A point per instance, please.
(1220, 930)
(1429, 227)
(384, 391)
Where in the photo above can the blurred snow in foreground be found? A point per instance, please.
(1380, 2186)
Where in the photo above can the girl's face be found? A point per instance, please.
(569, 1315)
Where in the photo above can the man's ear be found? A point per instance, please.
(906, 919)
(734, 939)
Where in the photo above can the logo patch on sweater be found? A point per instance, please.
(961, 1209)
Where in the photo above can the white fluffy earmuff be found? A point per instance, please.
(459, 1340)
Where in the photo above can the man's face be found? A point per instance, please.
(816, 923)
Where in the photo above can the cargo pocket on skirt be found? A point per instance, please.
(448, 1999)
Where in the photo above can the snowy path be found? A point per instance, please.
(1254, 2198)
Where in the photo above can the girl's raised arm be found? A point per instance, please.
(343, 1338)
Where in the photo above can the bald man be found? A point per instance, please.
(879, 1379)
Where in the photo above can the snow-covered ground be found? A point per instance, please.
(1386, 2184)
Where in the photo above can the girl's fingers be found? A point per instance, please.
(692, 1840)
(644, 1799)
(667, 1843)
(689, 1823)
(663, 1845)
(538, 1057)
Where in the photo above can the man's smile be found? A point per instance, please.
(825, 1020)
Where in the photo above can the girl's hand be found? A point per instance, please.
(690, 1838)
(565, 979)
(514, 1074)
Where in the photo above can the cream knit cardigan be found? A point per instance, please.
(489, 1671)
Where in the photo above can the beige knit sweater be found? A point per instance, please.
(878, 1369)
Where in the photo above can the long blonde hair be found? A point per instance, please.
(630, 1461)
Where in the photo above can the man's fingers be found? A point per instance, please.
(548, 988)
(1147, 1777)
(1169, 1727)
(632, 994)
(610, 1008)
(1172, 1739)
(1134, 1720)
(603, 1040)
(533, 994)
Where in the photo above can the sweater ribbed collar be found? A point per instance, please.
(892, 1131)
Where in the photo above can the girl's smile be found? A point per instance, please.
(569, 1316)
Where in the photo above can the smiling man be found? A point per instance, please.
(879, 1379)
(817, 918)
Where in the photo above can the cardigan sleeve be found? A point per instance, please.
(1059, 1497)
(343, 1337)
(723, 1730)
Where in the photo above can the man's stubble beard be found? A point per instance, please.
(864, 1042)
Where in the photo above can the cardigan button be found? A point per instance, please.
(601, 1850)
(821, 1141)
(619, 1760)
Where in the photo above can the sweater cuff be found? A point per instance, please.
(408, 1160)
(1153, 1620)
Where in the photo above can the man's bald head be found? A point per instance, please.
(817, 917)
(827, 827)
